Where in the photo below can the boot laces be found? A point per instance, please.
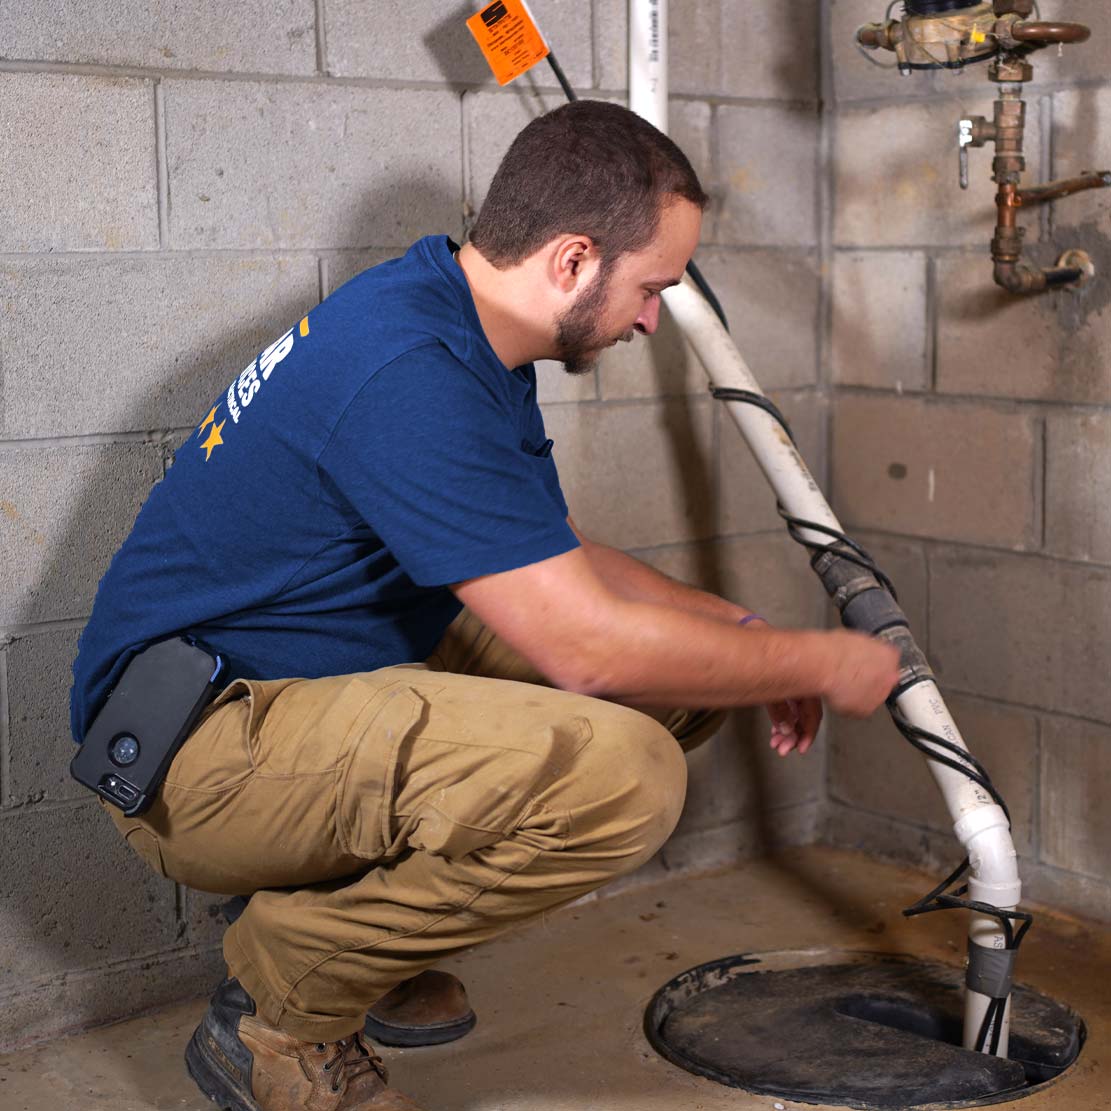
(352, 1058)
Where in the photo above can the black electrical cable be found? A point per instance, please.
(848, 549)
(561, 77)
(708, 293)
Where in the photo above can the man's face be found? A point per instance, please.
(624, 298)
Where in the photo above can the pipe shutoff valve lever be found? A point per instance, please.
(964, 138)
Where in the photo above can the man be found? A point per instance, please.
(377, 469)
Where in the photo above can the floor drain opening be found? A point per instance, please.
(852, 1029)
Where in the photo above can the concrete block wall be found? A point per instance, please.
(180, 182)
(972, 449)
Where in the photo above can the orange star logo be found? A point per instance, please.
(210, 419)
(214, 438)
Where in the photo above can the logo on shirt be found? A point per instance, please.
(245, 387)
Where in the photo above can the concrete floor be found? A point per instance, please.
(560, 1002)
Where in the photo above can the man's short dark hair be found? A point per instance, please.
(586, 168)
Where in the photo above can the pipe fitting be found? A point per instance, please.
(1044, 33)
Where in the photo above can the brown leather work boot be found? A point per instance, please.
(428, 1009)
(242, 1064)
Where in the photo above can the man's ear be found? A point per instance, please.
(570, 260)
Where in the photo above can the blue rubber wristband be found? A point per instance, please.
(752, 617)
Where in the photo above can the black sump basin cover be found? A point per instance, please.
(852, 1029)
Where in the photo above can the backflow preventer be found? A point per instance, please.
(952, 34)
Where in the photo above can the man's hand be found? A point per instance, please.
(794, 724)
(863, 672)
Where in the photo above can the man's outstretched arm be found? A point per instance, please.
(561, 616)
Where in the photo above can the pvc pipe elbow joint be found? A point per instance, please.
(986, 835)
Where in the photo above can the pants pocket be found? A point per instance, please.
(368, 782)
(138, 837)
(141, 841)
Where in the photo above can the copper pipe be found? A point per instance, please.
(1007, 203)
(1054, 190)
(1042, 33)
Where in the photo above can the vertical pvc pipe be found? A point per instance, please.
(648, 60)
(979, 823)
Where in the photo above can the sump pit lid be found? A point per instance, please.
(863, 1030)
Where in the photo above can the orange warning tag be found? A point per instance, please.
(509, 37)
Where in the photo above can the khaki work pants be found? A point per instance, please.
(383, 821)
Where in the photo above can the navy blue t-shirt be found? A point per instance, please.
(374, 453)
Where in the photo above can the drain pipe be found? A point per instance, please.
(980, 824)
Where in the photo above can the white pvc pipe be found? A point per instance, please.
(979, 823)
(648, 61)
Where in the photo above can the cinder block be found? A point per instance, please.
(766, 50)
(77, 163)
(763, 49)
(636, 475)
(341, 268)
(771, 301)
(72, 895)
(767, 574)
(554, 384)
(63, 513)
(872, 74)
(428, 40)
(690, 126)
(1078, 476)
(611, 43)
(1082, 141)
(767, 175)
(204, 917)
(896, 174)
(313, 165)
(746, 502)
(663, 365)
(40, 746)
(879, 319)
(951, 472)
(1076, 821)
(1022, 629)
(1083, 61)
(873, 768)
(890, 839)
(1066, 891)
(259, 36)
(736, 776)
(136, 344)
(46, 1009)
(992, 342)
(706, 804)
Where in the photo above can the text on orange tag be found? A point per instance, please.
(508, 37)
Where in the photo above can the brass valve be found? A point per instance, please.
(949, 34)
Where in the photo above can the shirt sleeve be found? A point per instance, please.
(444, 469)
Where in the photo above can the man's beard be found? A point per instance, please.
(578, 330)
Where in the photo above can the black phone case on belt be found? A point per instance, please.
(148, 715)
